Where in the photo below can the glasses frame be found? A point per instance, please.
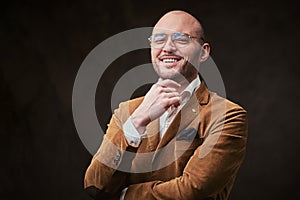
(172, 39)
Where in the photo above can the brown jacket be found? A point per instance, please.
(198, 157)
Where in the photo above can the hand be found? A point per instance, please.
(159, 98)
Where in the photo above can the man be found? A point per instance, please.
(180, 141)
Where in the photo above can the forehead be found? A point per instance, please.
(177, 22)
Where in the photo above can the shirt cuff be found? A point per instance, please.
(132, 136)
(123, 193)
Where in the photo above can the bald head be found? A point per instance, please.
(180, 21)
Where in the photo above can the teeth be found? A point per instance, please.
(169, 60)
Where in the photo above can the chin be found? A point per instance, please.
(173, 76)
(169, 72)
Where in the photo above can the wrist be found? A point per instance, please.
(139, 121)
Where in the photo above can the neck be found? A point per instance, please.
(185, 82)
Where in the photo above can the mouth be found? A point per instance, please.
(170, 60)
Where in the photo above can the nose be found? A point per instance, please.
(169, 46)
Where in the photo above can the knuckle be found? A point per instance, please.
(164, 103)
(164, 95)
(159, 89)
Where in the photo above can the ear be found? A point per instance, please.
(204, 52)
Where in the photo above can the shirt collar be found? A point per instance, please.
(192, 86)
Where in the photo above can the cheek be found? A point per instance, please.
(154, 53)
(194, 56)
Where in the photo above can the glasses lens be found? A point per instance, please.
(158, 40)
(180, 39)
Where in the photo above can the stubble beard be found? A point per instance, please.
(189, 73)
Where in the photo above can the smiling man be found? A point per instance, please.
(167, 55)
(180, 141)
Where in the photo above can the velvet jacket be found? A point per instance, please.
(197, 158)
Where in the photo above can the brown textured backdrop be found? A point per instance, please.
(254, 44)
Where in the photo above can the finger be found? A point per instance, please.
(168, 83)
(163, 89)
(168, 99)
(169, 90)
(174, 101)
(169, 95)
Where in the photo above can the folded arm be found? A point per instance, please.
(213, 165)
(103, 178)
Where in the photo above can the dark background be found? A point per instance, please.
(43, 43)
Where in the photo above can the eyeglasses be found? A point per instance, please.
(180, 40)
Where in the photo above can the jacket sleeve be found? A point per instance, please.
(102, 179)
(212, 166)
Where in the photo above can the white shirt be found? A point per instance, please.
(133, 137)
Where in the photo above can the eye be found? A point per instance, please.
(159, 38)
(181, 38)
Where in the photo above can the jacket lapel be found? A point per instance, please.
(153, 134)
(186, 115)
